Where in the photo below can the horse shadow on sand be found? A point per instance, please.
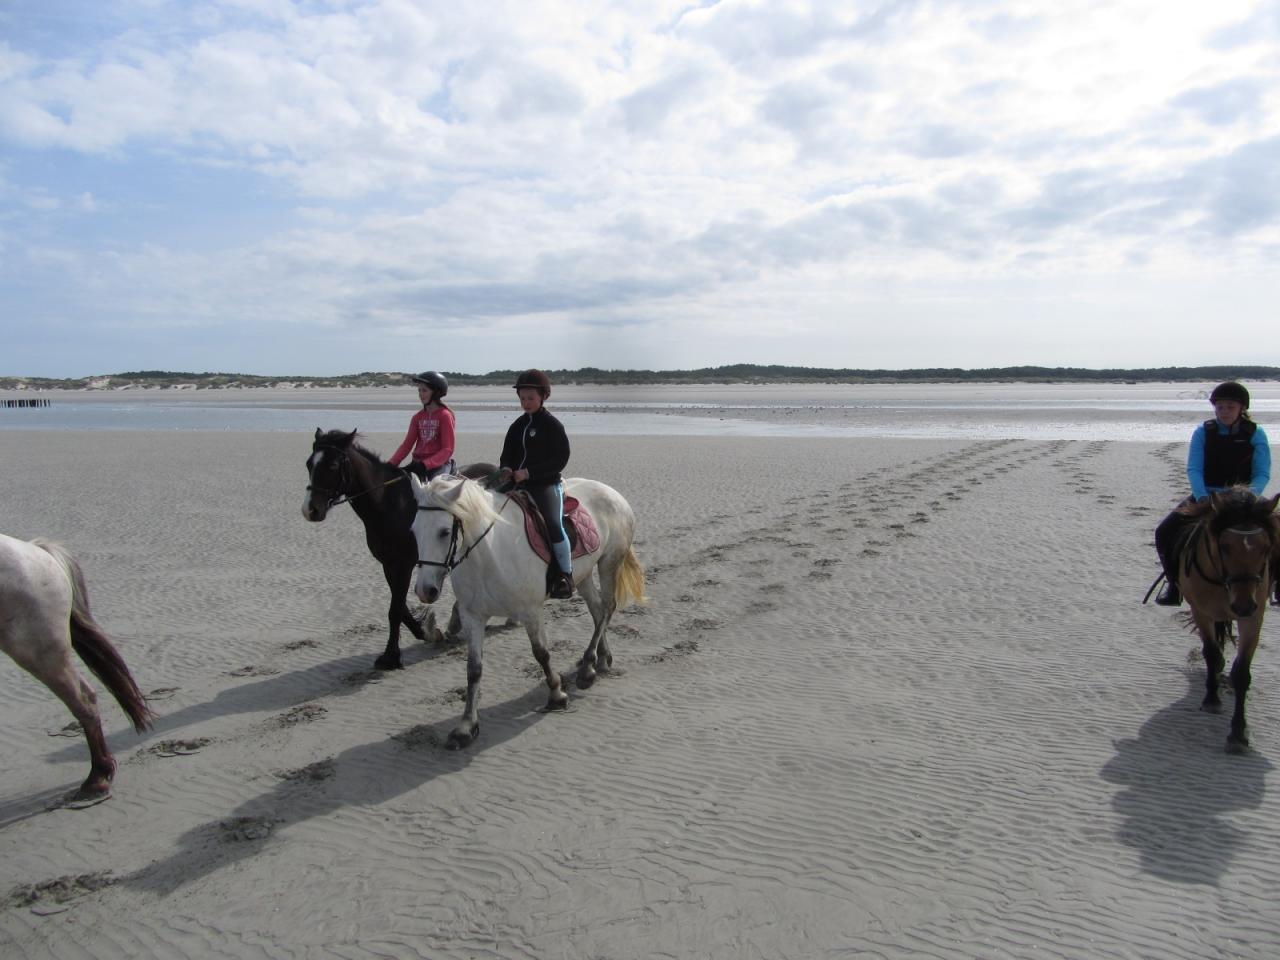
(1180, 785)
(290, 688)
(364, 776)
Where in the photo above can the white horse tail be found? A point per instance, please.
(629, 584)
(91, 643)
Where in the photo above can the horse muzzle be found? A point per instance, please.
(315, 512)
(427, 593)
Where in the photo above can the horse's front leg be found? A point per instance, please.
(468, 728)
(397, 577)
(1211, 647)
(557, 699)
(1241, 677)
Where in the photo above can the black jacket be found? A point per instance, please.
(1228, 459)
(536, 442)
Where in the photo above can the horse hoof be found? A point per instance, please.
(1211, 706)
(388, 663)
(462, 737)
(558, 703)
(1237, 745)
(586, 677)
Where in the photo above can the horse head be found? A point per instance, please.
(454, 514)
(1244, 532)
(328, 472)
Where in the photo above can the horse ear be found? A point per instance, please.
(418, 485)
(318, 433)
(1270, 505)
(352, 435)
(1215, 501)
(453, 492)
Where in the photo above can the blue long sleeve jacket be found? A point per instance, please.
(1195, 462)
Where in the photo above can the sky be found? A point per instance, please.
(329, 187)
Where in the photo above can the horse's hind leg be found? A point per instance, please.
(557, 699)
(596, 658)
(83, 704)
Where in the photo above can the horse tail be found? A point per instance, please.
(91, 643)
(629, 585)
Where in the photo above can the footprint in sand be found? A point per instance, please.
(253, 670)
(72, 729)
(311, 773)
(57, 896)
(178, 748)
(162, 693)
(303, 713)
(418, 737)
(242, 829)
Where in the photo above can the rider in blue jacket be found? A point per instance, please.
(1226, 450)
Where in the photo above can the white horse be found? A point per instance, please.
(44, 615)
(478, 538)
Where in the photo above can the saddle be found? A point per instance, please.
(579, 527)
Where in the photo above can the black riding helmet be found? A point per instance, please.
(536, 379)
(1230, 390)
(436, 381)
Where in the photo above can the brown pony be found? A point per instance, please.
(1224, 573)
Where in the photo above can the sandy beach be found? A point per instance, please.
(888, 699)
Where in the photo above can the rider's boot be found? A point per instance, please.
(1170, 596)
(562, 585)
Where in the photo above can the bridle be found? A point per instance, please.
(1228, 580)
(337, 497)
(449, 563)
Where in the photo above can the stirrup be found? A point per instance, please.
(562, 587)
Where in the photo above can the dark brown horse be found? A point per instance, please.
(339, 470)
(1225, 574)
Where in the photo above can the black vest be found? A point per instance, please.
(1228, 459)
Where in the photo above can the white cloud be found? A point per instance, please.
(636, 164)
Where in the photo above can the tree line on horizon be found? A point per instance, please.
(728, 374)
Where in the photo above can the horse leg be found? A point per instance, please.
(83, 704)
(1241, 677)
(1211, 646)
(596, 657)
(557, 699)
(397, 577)
(464, 734)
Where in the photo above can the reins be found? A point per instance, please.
(337, 498)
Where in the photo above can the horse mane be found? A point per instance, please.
(1237, 507)
(350, 442)
(471, 505)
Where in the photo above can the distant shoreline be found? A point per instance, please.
(736, 374)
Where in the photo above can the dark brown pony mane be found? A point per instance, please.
(350, 442)
(1236, 507)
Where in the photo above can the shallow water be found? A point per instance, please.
(1134, 412)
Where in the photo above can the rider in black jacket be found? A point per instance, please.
(536, 450)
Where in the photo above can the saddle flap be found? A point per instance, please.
(579, 526)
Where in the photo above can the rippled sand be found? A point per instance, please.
(890, 698)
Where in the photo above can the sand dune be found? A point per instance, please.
(888, 699)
